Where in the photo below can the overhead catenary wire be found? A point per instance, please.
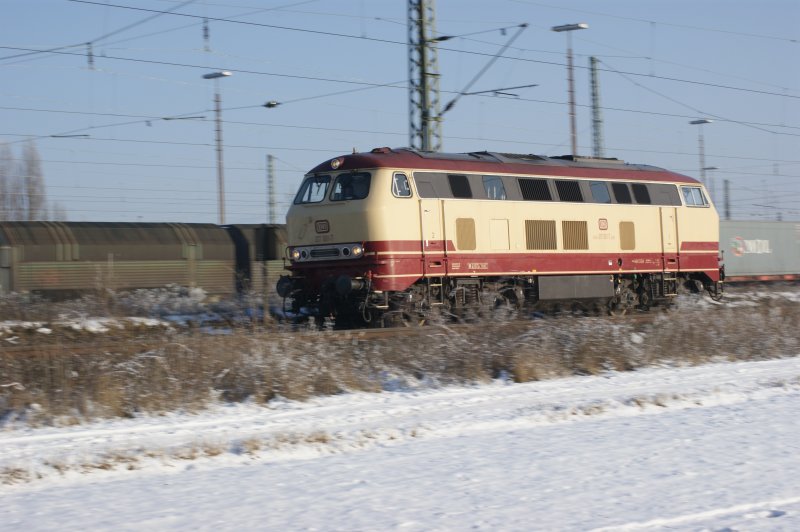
(687, 106)
(673, 24)
(403, 43)
(344, 150)
(488, 140)
(89, 42)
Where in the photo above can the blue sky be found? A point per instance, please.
(662, 65)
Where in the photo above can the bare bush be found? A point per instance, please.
(155, 372)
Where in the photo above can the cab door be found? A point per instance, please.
(669, 238)
(432, 239)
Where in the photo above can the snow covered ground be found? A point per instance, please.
(715, 447)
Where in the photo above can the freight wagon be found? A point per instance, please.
(64, 259)
(760, 251)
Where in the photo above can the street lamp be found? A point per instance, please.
(701, 147)
(569, 28)
(220, 166)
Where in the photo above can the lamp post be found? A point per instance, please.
(701, 147)
(569, 28)
(220, 165)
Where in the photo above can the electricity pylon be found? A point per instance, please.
(425, 128)
(597, 117)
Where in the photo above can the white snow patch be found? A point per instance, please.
(689, 448)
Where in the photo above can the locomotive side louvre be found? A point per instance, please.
(523, 226)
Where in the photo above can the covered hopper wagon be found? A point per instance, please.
(63, 259)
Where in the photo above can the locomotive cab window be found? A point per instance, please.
(313, 190)
(351, 187)
(494, 187)
(694, 197)
(400, 187)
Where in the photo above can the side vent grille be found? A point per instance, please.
(540, 234)
(534, 190)
(575, 235)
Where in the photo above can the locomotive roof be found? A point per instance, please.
(485, 161)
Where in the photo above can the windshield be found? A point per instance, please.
(351, 187)
(313, 190)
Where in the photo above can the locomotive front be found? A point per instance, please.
(342, 226)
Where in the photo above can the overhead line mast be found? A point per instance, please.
(597, 116)
(425, 128)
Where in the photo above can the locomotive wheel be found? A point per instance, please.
(715, 291)
(504, 308)
(615, 308)
(644, 300)
(620, 304)
(398, 318)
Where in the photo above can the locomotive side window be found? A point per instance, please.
(426, 189)
(534, 189)
(621, 193)
(641, 194)
(694, 197)
(351, 187)
(313, 190)
(494, 187)
(664, 194)
(600, 192)
(569, 190)
(459, 186)
(400, 186)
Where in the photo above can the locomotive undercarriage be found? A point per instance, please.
(354, 303)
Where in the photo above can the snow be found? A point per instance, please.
(94, 325)
(713, 447)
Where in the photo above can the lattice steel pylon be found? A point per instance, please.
(425, 127)
(597, 117)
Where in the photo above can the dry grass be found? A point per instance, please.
(160, 372)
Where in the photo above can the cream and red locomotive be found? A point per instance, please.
(397, 233)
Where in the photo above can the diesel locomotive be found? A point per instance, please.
(398, 234)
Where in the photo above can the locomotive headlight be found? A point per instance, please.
(357, 251)
(294, 254)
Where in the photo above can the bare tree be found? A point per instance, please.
(57, 212)
(6, 165)
(22, 188)
(12, 196)
(33, 181)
